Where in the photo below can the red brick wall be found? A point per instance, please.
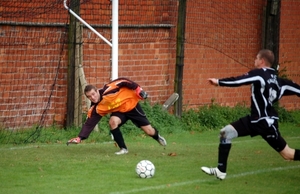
(222, 39)
(223, 43)
(289, 47)
(148, 63)
(27, 73)
(218, 47)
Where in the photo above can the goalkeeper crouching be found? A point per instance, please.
(121, 98)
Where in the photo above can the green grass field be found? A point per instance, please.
(94, 168)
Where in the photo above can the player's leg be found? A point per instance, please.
(116, 120)
(226, 135)
(277, 142)
(290, 154)
(280, 145)
(286, 153)
(152, 132)
(229, 132)
(138, 117)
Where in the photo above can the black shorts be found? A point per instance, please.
(136, 115)
(269, 133)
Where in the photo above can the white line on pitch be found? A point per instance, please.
(165, 186)
(110, 142)
(48, 145)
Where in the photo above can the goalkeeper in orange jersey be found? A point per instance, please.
(121, 98)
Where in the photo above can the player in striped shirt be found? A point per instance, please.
(266, 89)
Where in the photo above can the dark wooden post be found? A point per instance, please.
(73, 31)
(180, 55)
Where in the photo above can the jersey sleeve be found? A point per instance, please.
(89, 125)
(245, 79)
(115, 86)
(124, 82)
(288, 88)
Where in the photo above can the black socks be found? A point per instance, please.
(118, 137)
(223, 156)
(155, 136)
(297, 155)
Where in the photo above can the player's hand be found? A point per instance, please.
(75, 140)
(141, 93)
(213, 81)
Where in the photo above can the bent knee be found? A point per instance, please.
(114, 122)
(227, 134)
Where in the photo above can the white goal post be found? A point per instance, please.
(115, 32)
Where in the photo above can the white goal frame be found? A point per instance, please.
(115, 32)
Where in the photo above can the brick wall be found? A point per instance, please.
(289, 47)
(218, 48)
(148, 63)
(224, 43)
(28, 71)
(33, 59)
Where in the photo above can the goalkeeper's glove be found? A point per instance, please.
(141, 93)
(75, 140)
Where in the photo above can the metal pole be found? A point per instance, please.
(115, 39)
(86, 24)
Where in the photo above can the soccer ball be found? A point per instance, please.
(145, 169)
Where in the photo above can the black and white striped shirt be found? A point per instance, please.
(266, 89)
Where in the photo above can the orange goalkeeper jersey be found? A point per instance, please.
(117, 96)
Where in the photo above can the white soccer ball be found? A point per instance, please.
(145, 169)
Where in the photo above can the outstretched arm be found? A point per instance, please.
(245, 79)
(115, 85)
(91, 122)
(124, 82)
(289, 87)
(88, 126)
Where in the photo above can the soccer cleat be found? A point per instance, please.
(161, 141)
(75, 140)
(122, 151)
(214, 171)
